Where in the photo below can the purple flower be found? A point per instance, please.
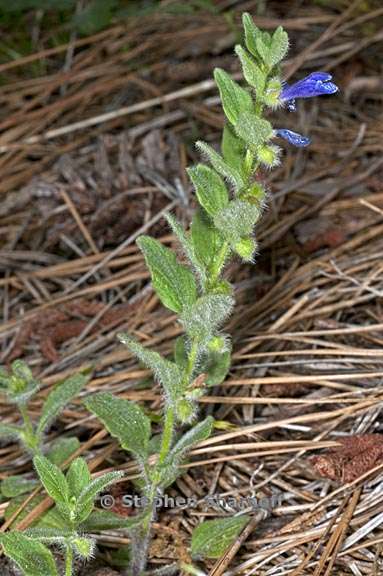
(314, 84)
(293, 137)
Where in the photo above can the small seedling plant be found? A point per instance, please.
(19, 387)
(231, 196)
(74, 496)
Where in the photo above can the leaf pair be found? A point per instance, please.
(75, 493)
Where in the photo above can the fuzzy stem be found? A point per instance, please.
(69, 561)
(167, 434)
(30, 437)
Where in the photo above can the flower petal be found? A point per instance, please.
(293, 137)
(315, 84)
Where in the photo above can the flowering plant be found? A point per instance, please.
(231, 199)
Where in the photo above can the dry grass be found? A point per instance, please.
(93, 155)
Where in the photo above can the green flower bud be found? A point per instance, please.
(217, 344)
(272, 93)
(186, 411)
(84, 547)
(246, 248)
(268, 155)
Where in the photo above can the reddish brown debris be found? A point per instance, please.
(355, 456)
(52, 328)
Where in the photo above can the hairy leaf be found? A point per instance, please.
(217, 367)
(231, 174)
(279, 46)
(211, 538)
(207, 240)
(237, 220)
(32, 557)
(85, 501)
(233, 148)
(198, 433)
(210, 188)
(173, 282)
(107, 520)
(16, 485)
(9, 431)
(78, 477)
(59, 398)
(187, 246)
(53, 480)
(253, 130)
(235, 99)
(62, 449)
(165, 371)
(207, 315)
(253, 74)
(124, 420)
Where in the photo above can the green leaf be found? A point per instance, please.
(78, 477)
(208, 313)
(217, 366)
(32, 557)
(124, 420)
(48, 535)
(235, 99)
(187, 245)
(20, 384)
(85, 502)
(16, 486)
(207, 240)
(62, 449)
(10, 431)
(231, 174)
(53, 481)
(263, 42)
(61, 394)
(181, 352)
(166, 372)
(52, 518)
(253, 130)
(173, 282)
(251, 71)
(233, 149)
(106, 520)
(237, 220)
(251, 34)
(15, 504)
(212, 538)
(198, 433)
(210, 188)
(279, 46)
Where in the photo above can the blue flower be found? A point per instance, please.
(293, 137)
(314, 84)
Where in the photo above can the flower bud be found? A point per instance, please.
(217, 344)
(245, 248)
(268, 155)
(186, 411)
(272, 93)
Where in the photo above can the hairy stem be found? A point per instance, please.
(69, 561)
(167, 434)
(30, 437)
